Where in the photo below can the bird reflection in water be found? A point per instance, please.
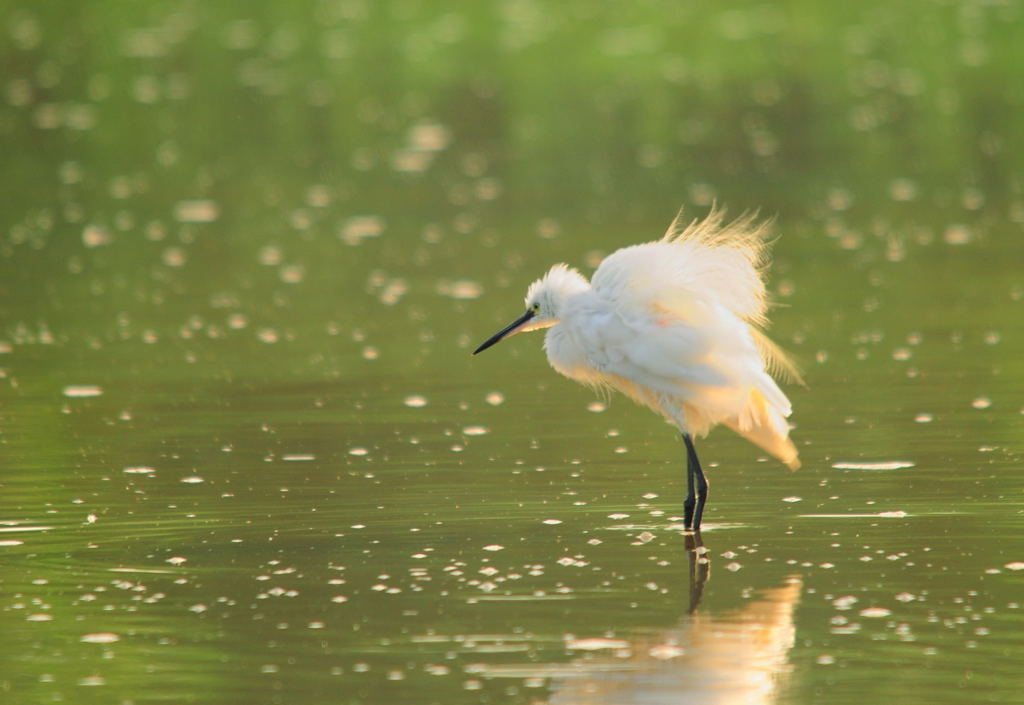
(699, 568)
(730, 659)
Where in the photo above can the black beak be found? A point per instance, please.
(505, 331)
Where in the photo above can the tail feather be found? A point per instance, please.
(765, 426)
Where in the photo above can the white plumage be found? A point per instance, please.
(675, 325)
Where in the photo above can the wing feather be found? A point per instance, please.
(776, 360)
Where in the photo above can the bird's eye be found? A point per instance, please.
(535, 308)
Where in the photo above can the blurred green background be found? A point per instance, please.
(247, 247)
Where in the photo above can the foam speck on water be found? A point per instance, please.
(196, 211)
(878, 465)
(595, 644)
(460, 289)
(20, 528)
(358, 228)
(81, 391)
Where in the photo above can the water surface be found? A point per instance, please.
(245, 253)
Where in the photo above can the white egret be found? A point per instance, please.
(676, 326)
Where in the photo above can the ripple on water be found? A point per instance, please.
(895, 514)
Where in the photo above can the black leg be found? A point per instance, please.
(691, 498)
(696, 488)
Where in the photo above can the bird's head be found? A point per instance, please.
(544, 301)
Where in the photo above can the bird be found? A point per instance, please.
(677, 325)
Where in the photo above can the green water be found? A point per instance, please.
(246, 456)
